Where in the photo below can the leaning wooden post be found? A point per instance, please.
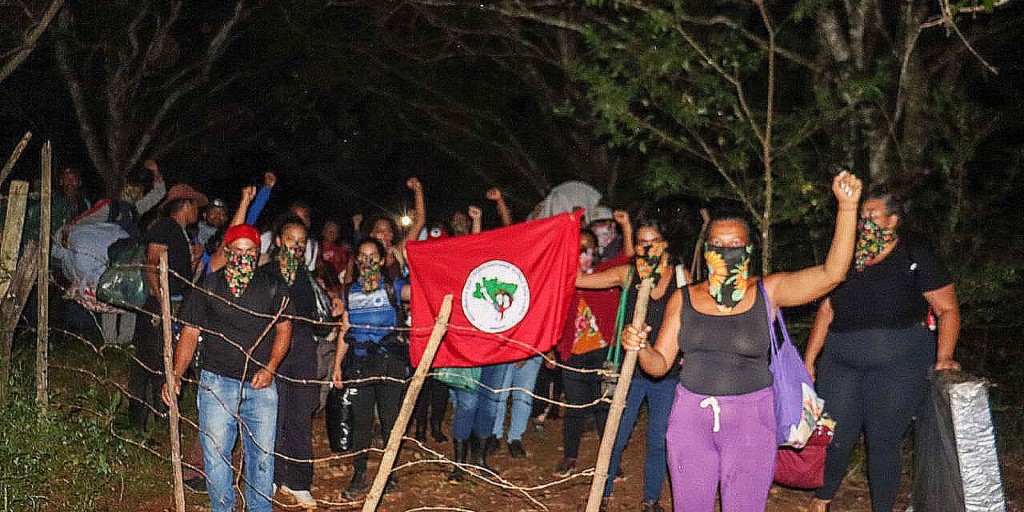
(43, 282)
(9, 248)
(173, 413)
(391, 451)
(15, 155)
(611, 426)
(17, 196)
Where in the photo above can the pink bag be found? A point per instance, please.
(804, 468)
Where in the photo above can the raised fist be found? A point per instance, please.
(414, 184)
(621, 217)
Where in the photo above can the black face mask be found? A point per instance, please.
(728, 273)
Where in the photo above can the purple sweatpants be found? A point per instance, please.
(727, 440)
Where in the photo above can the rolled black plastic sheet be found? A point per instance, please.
(956, 463)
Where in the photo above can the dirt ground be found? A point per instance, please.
(424, 486)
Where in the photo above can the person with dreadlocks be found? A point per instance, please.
(369, 352)
(651, 259)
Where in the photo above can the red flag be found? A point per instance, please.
(510, 283)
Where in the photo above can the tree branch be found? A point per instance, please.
(29, 43)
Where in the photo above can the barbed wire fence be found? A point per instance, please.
(430, 457)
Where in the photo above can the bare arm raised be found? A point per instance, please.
(800, 287)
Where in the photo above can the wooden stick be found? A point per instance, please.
(9, 166)
(173, 413)
(43, 282)
(611, 426)
(11, 306)
(398, 430)
(11, 244)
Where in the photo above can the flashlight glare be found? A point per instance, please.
(405, 220)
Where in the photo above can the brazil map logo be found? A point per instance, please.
(496, 296)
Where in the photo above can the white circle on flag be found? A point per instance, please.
(496, 296)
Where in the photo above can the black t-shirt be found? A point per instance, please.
(166, 231)
(888, 295)
(300, 362)
(219, 320)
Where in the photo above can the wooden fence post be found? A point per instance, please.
(43, 282)
(11, 306)
(174, 415)
(9, 264)
(398, 430)
(611, 426)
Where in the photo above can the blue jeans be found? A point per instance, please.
(474, 410)
(219, 413)
(524, 379)
(660, 394)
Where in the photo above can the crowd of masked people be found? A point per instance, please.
(247, 302)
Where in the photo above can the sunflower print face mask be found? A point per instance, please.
(651, 260)
(728, 273)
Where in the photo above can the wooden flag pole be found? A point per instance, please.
(174, 414)
(611, 426)
(43, 282)
(398, 430)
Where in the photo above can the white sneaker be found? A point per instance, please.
(303, 498)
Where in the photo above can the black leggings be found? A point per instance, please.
(548, 385)
(384, 395)
(293, 461)
(873, 381)
(582, 388)
(432, 402)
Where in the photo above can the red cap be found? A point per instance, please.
(242, 231)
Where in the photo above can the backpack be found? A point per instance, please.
(124, 214)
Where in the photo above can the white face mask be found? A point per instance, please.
(586, 260)
(605, 235)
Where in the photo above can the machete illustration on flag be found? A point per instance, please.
(513, 283)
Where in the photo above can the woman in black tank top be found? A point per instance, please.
(658, 392)
(721, 429)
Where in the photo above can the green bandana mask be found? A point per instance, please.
(872, 239)
(728, 273)
(289, 258)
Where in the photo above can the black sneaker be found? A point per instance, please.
(491, 445)
(357, 487)
(565, 468)
(196, 484)
(391, 485)
(515, 449)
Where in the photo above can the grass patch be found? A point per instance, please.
(68, 457)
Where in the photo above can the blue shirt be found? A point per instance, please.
(371, 314)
